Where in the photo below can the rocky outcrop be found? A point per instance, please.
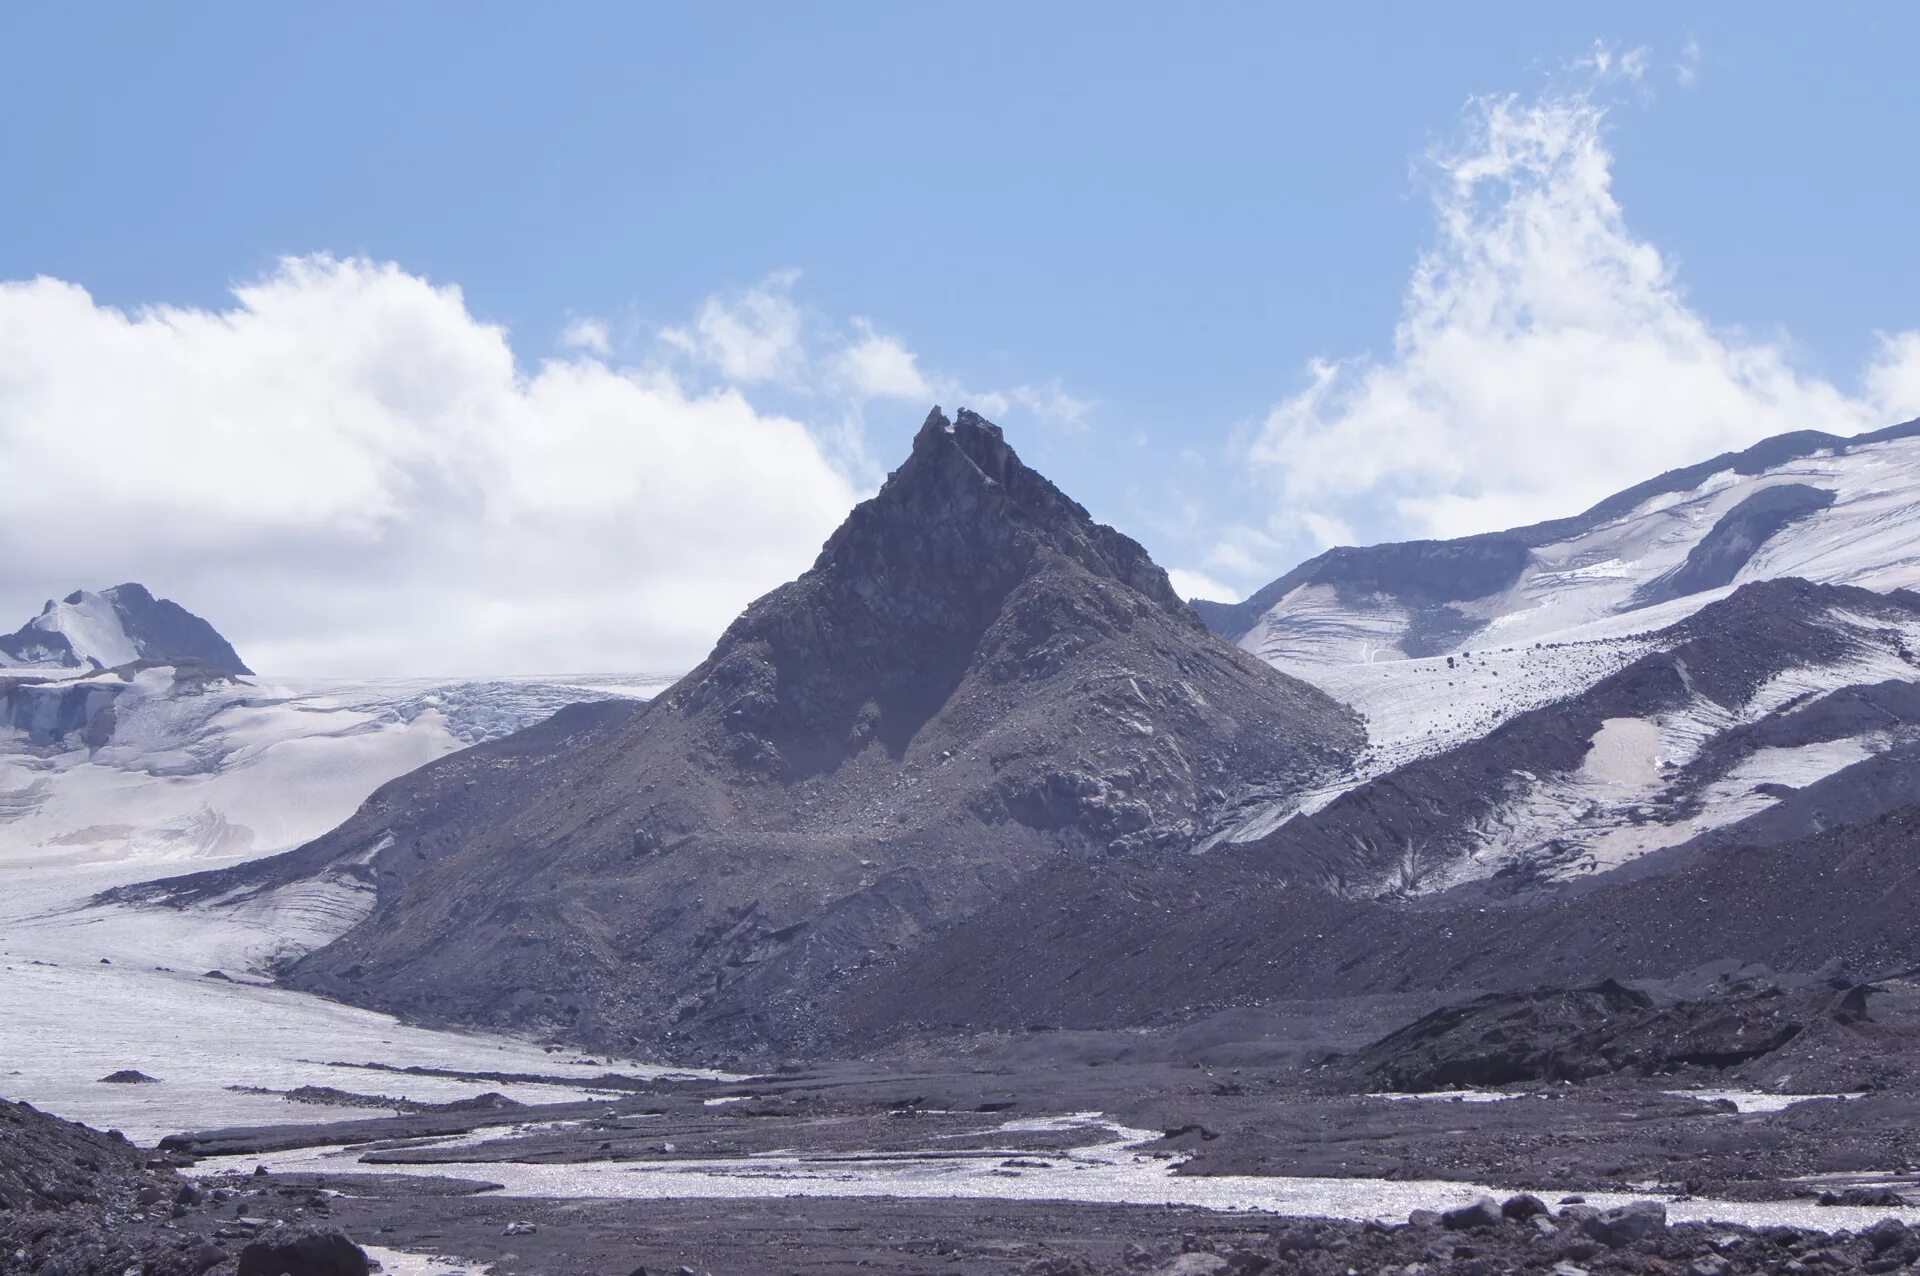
(77, 1202)
(1572, 1034)
(1732, 542)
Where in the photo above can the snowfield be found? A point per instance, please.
(200, 777)
(1577, 613)
(239, 768)
(1582, 587)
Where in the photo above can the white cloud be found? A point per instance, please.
(587, 334)
(1053, 406)
(1893, 382)
(749, 336)
(1242, 551)
(1545, 356)
(348, 473)
(1328, 531)
(1606, 63)
(1686, 71)
(875, 366)
(1189, 584)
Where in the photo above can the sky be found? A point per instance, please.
(448, 339)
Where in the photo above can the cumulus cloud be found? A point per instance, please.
(348, 473)
(1545, 355)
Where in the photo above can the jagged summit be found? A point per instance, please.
(115, 627)
(904, 599)
(962, 490)
(973, 679)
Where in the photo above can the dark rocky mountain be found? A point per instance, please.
(974, 682)
(119, 626)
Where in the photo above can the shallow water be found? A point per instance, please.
(1106, 1169)
(395, 1262)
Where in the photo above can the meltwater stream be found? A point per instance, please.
(1107, 1169)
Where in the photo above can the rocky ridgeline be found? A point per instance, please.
(1522, 1234)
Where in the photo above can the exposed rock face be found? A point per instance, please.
(973, 680)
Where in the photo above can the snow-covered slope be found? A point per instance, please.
(1472, 659)
(1830, 510)
(115, 627)
(163, 768)
(1783, 709)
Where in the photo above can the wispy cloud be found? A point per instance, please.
(1191, 584)
(1686, 71)
(875, 365)
(752, 335)
(587, 334)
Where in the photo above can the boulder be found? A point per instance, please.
(1522, 1207)
(1885, 1234)
(1631, 1222)
(311, 1253)
(1483, 1213)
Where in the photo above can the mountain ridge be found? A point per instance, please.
(1430, 578)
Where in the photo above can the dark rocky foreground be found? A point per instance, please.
(1285, 1091)
(823, 1235)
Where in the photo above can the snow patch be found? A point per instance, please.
(92, 626)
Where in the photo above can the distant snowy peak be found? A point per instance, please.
(116, 627)
(1829, 509)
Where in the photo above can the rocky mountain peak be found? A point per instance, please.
(963, 553)
(973, 680)
(964, 509)
(118, 626)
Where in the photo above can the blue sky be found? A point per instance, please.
(1172, 247)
